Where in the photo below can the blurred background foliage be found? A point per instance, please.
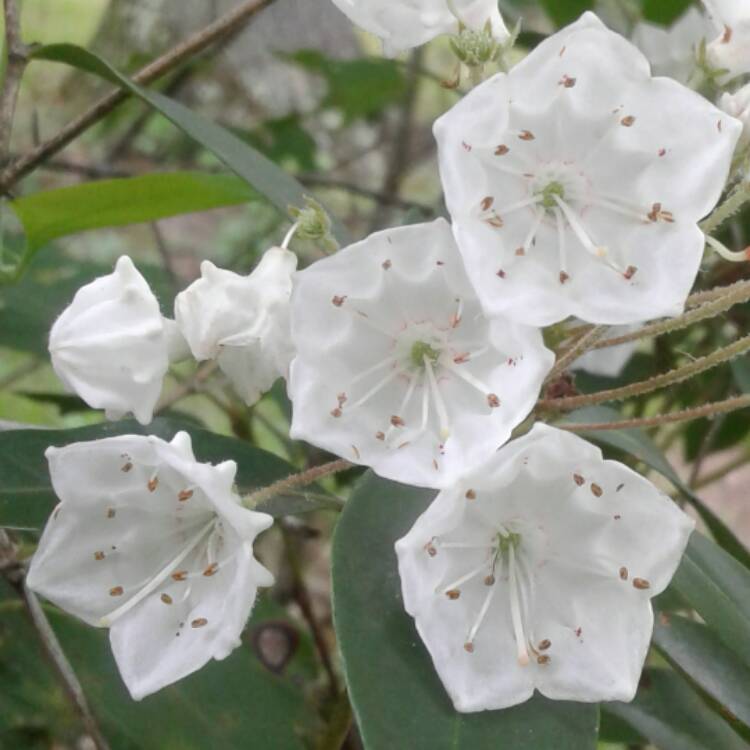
(304, 88)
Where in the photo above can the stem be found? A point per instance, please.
(707, 410)
(202, 374)
(735, 294)
(219, 29)
(581, 346)
(254, 499)
(652, 384)
(732, 205)
(700, 298)
(17, 59)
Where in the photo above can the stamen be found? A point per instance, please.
(515, 609)
(159, 578)
(398, 421)
(531, 236)
(439, 403)
(464, 578)
(467, 377)
(483, 611)
(375, 389)
(371, 370)
(733, 257)
(289, 235)
(561, 247)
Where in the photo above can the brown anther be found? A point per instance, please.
(166, 598)
(116, 591)
(641, 583)
(596, 490)
(356, 452)
(489, 580)
(662, 152)
(487, 203)
(544, 645)
(543, 659)
(199, 622)
(563, 277)
(495, 221)
(405, 445)
(180, 575)
(726, 37)
(185, 495)
(336, 412)
(619, 486)
(562, 51)
(99, 555)
(567, 81)
(153, 484)
(387, 265)
(501, 274)
(431, 550)
(211, 570)
(111, 512)
(128, 466)
(501, 150)
(653, 214)
(461, 359)
(380, 435)
(623, 573)
(578, 632)
(579, 480)
(526, 135)
(471, 495)
(338, 301)
(466, 146)
(628, 121)
(435, 464)
(630, 271)
(493, 401)
(342, 398)
(520, 251)
(453, 594)
(397, 421)
(617, 517)
(469, 647)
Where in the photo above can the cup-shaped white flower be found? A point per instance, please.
(673, 52)
(398, 368)
(242, 322)
(536, 572)
(730, 51)
(155, 546)
(112, 346)
(404, 24)
(572, 182)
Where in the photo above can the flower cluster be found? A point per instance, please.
(575, 184)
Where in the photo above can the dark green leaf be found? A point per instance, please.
(563, 12)
(637, 443)
(665, 12)
(397, 697)
(26, 496)
(52, 214)
(699, 653)
(673, 717)
(358, 88)
(718, 588)
(229, 704)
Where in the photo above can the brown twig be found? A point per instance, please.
(196, 43)
(17, 58)
(707, 410)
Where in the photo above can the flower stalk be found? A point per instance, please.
(729, 208)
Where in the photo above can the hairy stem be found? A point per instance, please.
(731, 206)
(294, 481)
(735, 294)
(17, 59)
(652, 384)
(707, 410)
(218, 30)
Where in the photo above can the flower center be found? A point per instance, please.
(421, 351)
(548, 193)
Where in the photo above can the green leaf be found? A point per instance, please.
(358, 88)
(637, 443)
(563, 12)
(52, 214)
(700, 654)
(229, 704)
(673, 717)
(718, 588)
(26, 496)
(665, 12)
(741, 373)
(397, 697)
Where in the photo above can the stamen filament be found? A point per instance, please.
(370, 370)
(464, 578)
(404, 403)
(439, 403)
(561, 248)
(159, 578)
(531, 236)
(486, 604)
(466, 376)
(376, 389)
(515, 609)
(734, 257)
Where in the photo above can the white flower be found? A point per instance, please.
(112, 346)
(673, 52)
(730, 51)
(572, 182)
(738, 105)
(242, 321)
(397, 367)
(403, 24)
(537, 571)
(155, 546)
